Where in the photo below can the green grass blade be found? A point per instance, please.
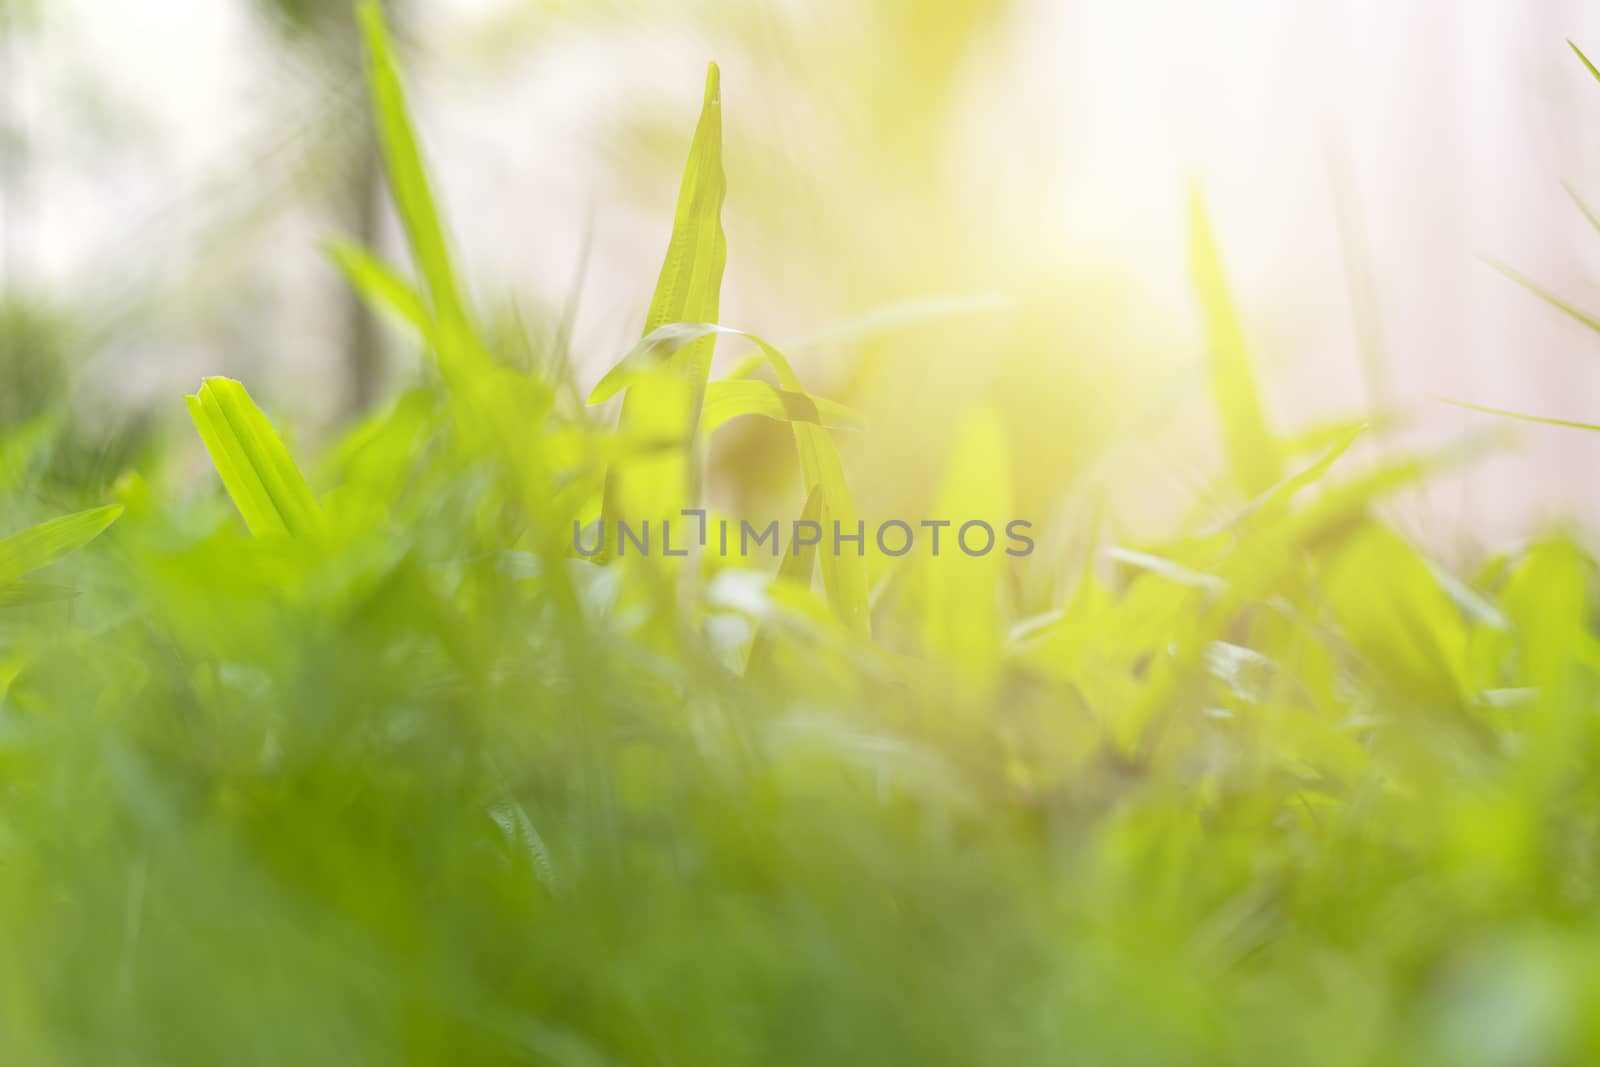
(1544, 294)
(406, 171)
(1275, 501)
(1594, 220)
(688, 289)
(38, 546)
(1590, 66)
(652, 357)
(1520, 417)
(961, 618)
(797, 561)
(726, 401)
(689, 286)
(1253, 453)
(255, 467)
(383, 289)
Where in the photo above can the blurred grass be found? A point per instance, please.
(395, 777)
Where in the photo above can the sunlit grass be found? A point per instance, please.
(356, 760)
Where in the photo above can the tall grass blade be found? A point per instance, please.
(406, 172)
(1253, 453)
(1544, 294)
(1520, 417)
(379, 285)
(961, 622)
(1572, 193)
(688, 289)
(1595, 73)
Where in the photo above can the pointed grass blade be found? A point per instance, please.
(1253, 454)
(255, 467)
(406, 171)
(38, 546)
(1520, 417)
(378, 284)
(688, 289)
(1544, 294)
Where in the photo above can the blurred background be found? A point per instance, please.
(933, 204)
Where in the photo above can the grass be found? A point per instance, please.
(355, 761)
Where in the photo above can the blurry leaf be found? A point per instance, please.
(1171, 570)
(375, 460)
(1547, 600)
(1318, 437)
(1469, 600)
(796, 565)
(22, 447)
(524, 840)
(1253, 453)
(256, 468)
(1565, 423)
(961, 612)
(38, 546)
(408, 178)
(1275, 501)
(1543, 294)
(1588, 65)
(730, 400)
(1246, 673)
(1339, 506)
(844, 575)
(1594, 220)
(380, 286)
(650, 359)
(1396, 616)
(23, 594)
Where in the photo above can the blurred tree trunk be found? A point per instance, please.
(328, 33)
(13, 147)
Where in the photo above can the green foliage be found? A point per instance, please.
(397, 777)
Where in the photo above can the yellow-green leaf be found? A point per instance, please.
(962, 614)
(38, 546)
(1544, 294)
(256, 468)
(379, 285)
(1253, 453)
(406, 172)
(726, 401)
(688, 290)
